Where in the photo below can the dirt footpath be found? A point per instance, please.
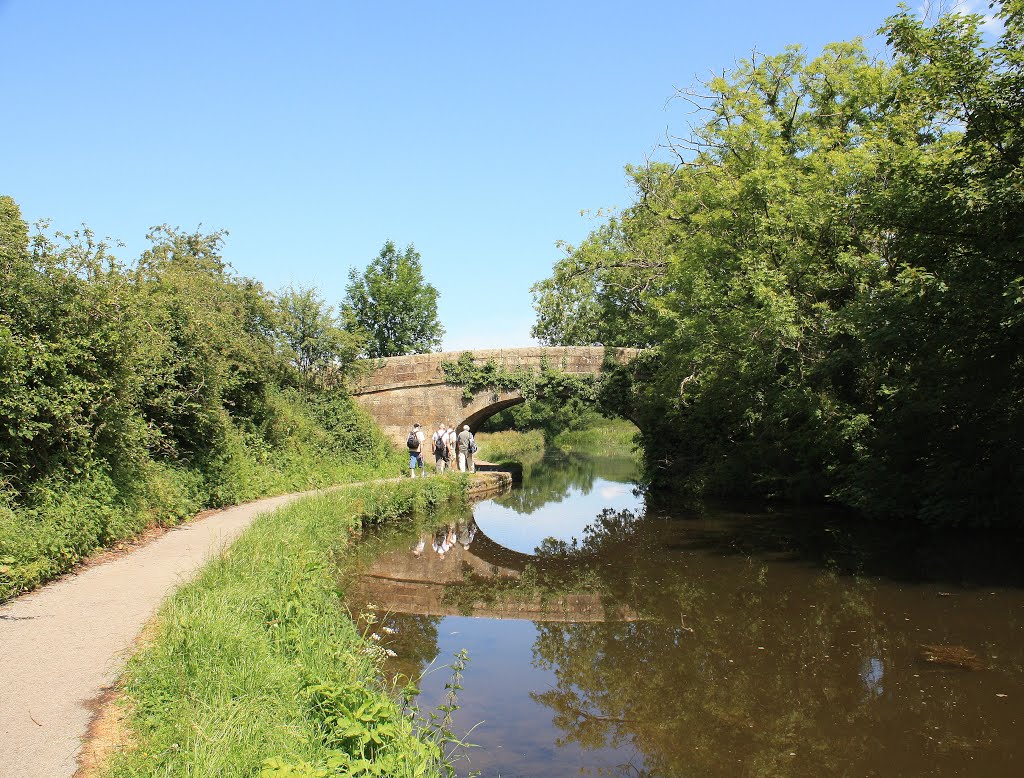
(63, 645)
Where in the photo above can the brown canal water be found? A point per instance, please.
(609, 635)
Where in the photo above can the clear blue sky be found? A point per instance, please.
(315, 131)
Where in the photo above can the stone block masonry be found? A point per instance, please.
(399, 391)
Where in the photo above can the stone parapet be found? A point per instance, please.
(425, 369)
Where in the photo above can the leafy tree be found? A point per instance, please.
(392, 303)
(312, 336)
(603, 291)
(133, 394)
(943, 335)
(829, 272)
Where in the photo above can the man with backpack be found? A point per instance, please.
(415, 446)
(467, 447)
(439, 442)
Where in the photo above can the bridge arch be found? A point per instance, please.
(399, 391)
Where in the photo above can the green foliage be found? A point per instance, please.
(392, 305)
(599, 437)
(491, 376)
(138, 394)
(552, 414)
(554, 401)
(209, 347)
(598, 294)
(59, 521)
(251, 670)
(67, 356)
(829, 273)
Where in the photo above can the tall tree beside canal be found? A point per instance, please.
(829, 273)
(394, 305)
(312, 336)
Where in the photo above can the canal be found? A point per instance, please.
(609, 634)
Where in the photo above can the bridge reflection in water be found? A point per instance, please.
(459, 571)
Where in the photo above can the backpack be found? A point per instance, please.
(414, 441)
(472, 445)
(440, 447)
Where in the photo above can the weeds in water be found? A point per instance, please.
(364, 738)
(436, 728)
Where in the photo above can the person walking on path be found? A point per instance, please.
(439, 443)
(467, 447)
(450, 441)
(415, 444)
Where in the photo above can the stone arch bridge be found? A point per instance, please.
(399, 391)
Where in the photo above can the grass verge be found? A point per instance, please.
(605, 437)
(254, 669)
(510, 446)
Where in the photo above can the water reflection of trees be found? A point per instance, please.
(412, 639)
(689, 700)
(741, 668)
(834, 539)
(554, 478)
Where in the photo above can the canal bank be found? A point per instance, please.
(65, 645)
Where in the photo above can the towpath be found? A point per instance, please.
(65, 644)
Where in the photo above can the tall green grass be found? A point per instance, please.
(605, 437)
(255, 669)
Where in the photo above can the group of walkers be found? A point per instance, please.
(449, 449)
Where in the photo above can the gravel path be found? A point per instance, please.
(62, 646)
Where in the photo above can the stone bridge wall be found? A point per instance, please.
(399, 391)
